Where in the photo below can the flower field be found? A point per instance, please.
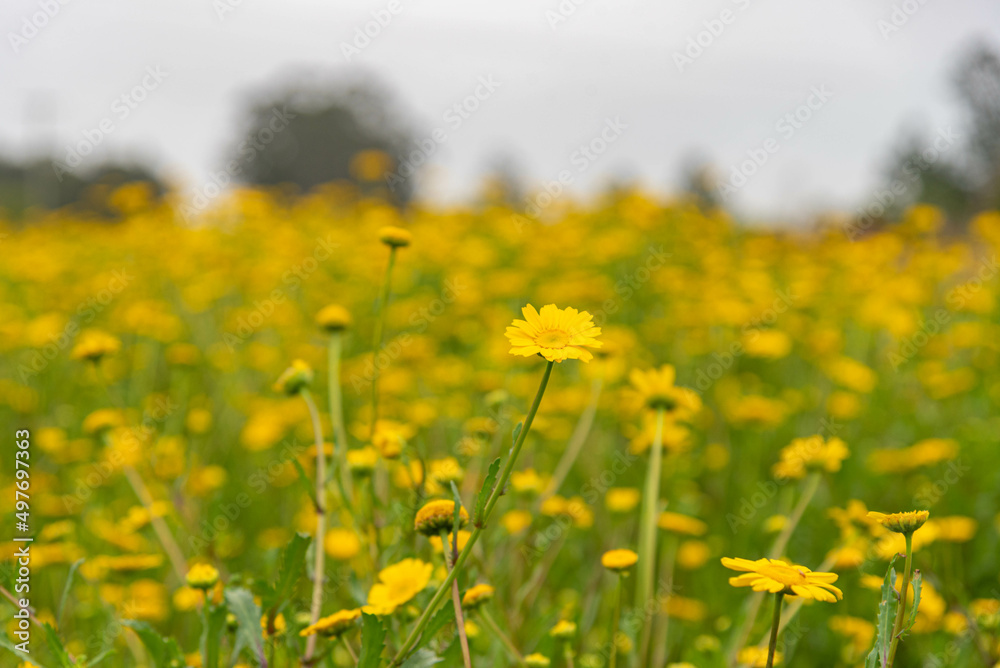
(666, 439)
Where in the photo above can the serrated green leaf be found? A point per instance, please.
(485, 491)
(879, 655)
(916, 581)
(372, 641)
(163, 651)
(241, 604)
(290, 569)
(422, 658)
(56, 647)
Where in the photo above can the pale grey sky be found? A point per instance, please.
(560, 70)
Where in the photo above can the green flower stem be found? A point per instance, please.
(318, 551)
(456, 597)
(383, 306)
(775, 624)
(568, 654)
(903, 591)
(780, 543)
(442, 590)
(334, 352)
(663, 619)
(647, 535)
(350, 650)
(616, 616)
(507, 642)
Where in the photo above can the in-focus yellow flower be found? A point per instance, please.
(202, 576)
(94, 344)
(776, 576)
(476, 595)
(555, 334)
(294, 378)
(395, 237)
(619, 560)
(398, 584)
(333, 318)
(655, 387)
(332, 625)
(903, 523)
(438, 516)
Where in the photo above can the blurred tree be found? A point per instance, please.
(41, 184)
(977, 81)
(311, 135)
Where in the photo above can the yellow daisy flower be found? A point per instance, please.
(397, 585)
(332, 625)
(776, 576)
(903, 523)
(555, 334)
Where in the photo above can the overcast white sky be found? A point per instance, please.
(558, 81)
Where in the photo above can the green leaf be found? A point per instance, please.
(211, 635)
(879, 655)
(422, 658)
(290, 569)
(163, 651)
(484, 493)
(7, 644)
(372, 641)
(56, 647)
(65, 592)
(517, 431)
(247, 613)
(444, 616)
(100, 657)
(916, 581)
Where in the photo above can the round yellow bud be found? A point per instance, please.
(438, 516)
(296, 377)
(202, 576)
(395, 237)
(619, 560)
(476, 595)
(333, 318)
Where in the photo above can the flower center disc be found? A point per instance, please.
(553, 338)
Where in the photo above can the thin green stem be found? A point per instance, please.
(318, 551)
(775, 624)
(477, 531)
(904, 589)
(507, 642)
(336, 398)
(350, 650)
(383, 306)
(780, 543)
(647, 536)
(616, 616)
(568, 653)
(456, 598)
